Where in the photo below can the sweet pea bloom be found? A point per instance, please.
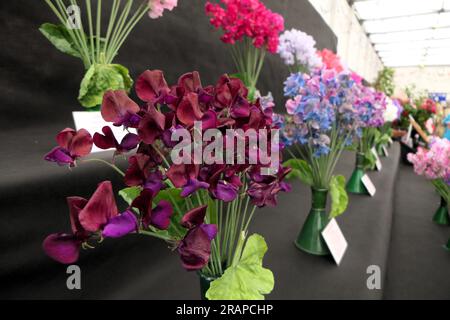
(433, 163)
(319, 102)
(247, 18)
(195, 248)
(89, 219)
(297, 48)
(157, 7)
(72, 145)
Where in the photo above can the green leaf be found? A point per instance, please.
(100, 78)
(60, 38)
(339, 197)
(301, 170)
(370, 160)
(129, 194)
(247, 279)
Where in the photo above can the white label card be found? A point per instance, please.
(378, 164)
(385, 151)
(369, 185)
(93, 122)
(335, 240)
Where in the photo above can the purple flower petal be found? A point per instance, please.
(225, 191)
(210, 230)
(154, 182)
(120, 225)
(192, 186)
(64, 248)
(161, 214)
(60, 156)
(129, 142)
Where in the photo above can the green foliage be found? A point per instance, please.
(300, 170)
(385, 81)
(60, 38)
(246, 279)
(339, 197)
(100, 78)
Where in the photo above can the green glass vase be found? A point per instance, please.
(355, 184)
(441, 217)
(310, 237)
(448, 245)
(205, 282)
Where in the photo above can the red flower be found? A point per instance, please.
(72, 145)
(248, 18)
(331, 60)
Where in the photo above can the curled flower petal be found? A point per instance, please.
(192, 186)
(64, 248)
(225, 191)
(195, 249)
(161, 214)
(99, 209)
(152, 125)
(194, 217)
(60, 156)
(117, 107)
(151, 86)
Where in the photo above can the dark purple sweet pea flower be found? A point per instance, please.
(192, 186)
(158, 216)
(154, 182)
(152, 87)
(87, 217)
(195, 248)
(188, 110)
(180, 174)
(225, 191)
(264, 190)
(222, 186)
(118, 108)
(209, 120)
(107, 140)
(121, 225)
(166, 137)
(152, 125)
(72, 145)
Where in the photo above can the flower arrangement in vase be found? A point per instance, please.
(180, 187)
(321, 122)
(371, 107)
(96, 37)
(252, 30)
(391, 114)
(434, 164)
(95, 47)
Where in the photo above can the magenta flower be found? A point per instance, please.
(107, 141)
(118, 108)
(121, 225)
(72, 145)
(195, 248)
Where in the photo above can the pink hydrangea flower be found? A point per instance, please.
(157, 7)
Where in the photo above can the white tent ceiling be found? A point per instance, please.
(407, 32)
